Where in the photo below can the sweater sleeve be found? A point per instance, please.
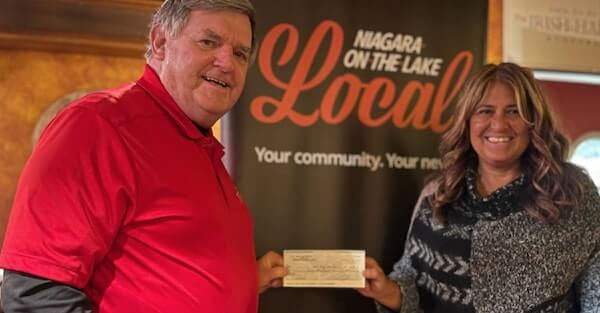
(25, 293)
(587, 285)
(403, 273)
(405, 276)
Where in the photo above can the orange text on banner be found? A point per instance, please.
(398, 111)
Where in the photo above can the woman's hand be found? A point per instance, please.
(379, 287)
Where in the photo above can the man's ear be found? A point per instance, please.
(158, 39)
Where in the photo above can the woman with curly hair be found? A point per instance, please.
(508, 225)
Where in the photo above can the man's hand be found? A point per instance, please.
(270, 271)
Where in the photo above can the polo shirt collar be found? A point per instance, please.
(151, 83)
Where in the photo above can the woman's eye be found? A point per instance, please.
(512, 111)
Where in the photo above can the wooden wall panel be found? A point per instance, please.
(106, 27)
(494, 32)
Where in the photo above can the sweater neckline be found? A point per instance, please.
(500, 203)
(498, 194)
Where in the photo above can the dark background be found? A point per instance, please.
(319, 207)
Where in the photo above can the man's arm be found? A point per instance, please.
(25, 293)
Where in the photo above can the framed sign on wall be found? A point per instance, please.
(562, 35)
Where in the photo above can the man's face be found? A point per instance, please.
(204, 68)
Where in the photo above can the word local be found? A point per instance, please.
(418, 104)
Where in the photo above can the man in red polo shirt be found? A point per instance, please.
(125, 205)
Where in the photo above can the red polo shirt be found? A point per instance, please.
(124, 198)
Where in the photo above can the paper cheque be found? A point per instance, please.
(324, 268)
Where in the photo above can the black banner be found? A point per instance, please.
(340, 122)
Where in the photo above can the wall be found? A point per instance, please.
(577, 107)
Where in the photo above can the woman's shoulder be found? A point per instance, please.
(428, 191)
(576, 175)
(430, 188)
(588, 204)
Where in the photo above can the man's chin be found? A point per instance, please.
(209, 117)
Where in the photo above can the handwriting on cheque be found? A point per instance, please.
(324, 268)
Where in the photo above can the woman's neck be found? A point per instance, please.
(490, 180)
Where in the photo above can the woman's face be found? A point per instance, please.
(498, 134)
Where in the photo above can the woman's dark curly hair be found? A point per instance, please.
(555, 183)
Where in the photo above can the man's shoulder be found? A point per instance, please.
(117, 105)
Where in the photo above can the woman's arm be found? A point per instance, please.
(587, 287)
(379, 287)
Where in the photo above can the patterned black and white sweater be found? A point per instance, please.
(491, 256)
